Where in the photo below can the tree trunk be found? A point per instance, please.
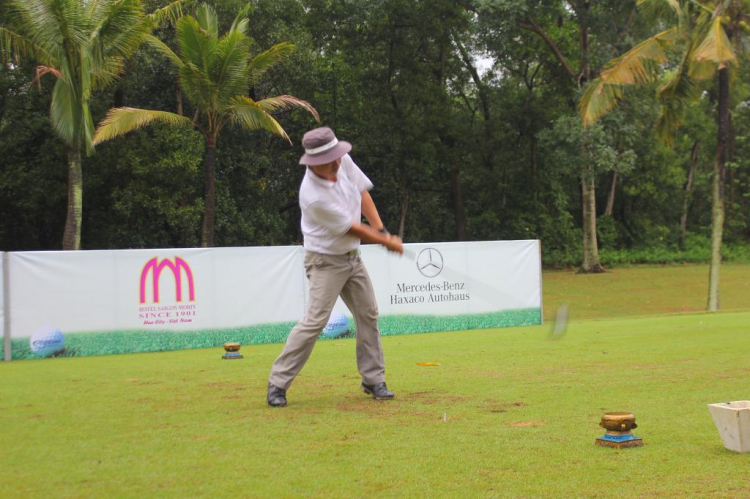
(209, 183)
(534, 164)
(72, 235)
(404, 210)
(179, 101)
(717, 199)
(333, 93)
(591, 262)
(688, 191)
(611, 197)
(483, 92)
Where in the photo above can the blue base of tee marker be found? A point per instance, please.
(619, 441)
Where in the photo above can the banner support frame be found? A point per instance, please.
(6, 307)
(541, 285)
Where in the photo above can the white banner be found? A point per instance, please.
(188, 289)
(456, 278)
(90, 302)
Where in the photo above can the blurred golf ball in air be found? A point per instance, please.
(46, 341)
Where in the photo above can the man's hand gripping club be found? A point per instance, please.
(367, 234)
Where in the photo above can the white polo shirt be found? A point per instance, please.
(330, 208)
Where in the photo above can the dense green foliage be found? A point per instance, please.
(463, 113)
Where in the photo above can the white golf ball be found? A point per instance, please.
(46, 341)
(338, 325)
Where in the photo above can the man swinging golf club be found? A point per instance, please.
(333, 197)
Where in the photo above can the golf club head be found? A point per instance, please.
(560, 324)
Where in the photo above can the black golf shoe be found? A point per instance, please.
(378, 392)
(276, 396)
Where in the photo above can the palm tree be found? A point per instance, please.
(702, 35)
(215, 73)
(83, 43)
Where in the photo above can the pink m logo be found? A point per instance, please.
(179, 263)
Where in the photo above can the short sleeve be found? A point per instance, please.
(356, 175)
(336, 221)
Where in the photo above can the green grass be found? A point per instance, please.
(136, 341)
(522, 411)
(643, 290)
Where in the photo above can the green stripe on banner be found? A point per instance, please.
(135, 341)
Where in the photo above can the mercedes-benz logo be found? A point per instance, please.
(430, 262)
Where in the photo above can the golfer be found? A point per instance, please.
(333, 197)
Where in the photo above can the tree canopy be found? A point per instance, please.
(463, 113)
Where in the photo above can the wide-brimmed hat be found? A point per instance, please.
(322, 146)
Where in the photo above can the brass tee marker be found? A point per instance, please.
(618, 435)
(233, 351)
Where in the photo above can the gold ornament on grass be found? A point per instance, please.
(233, 351)
(618, 426)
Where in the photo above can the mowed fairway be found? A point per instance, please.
(643, 290)
(507, 412)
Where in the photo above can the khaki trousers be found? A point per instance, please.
(330, 276)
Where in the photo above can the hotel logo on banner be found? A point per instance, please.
(174, 311)
(430, 264)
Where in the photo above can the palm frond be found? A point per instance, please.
(246, 112)
(196, 46)
(637, 66)
(88, 128)
(32, 27)
(285, 102)
(716, 46)
(55, 22)
(106, 72)
(198, 86)
(231, 71)
(115, 24)
(13, 45)
(240, 22)
(267, 59)
(122, 120)
(207, 20)
(658, 6)
(118, 30)
(639, 63)
(598, 99)
(674, 94)
(167, 15)
(163, 49)
(702, 70)
(42, 70)
(65, 113)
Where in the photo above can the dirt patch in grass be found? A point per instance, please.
(420, 395)
(526, 424)
(373, 407)
(226, 384)
(499, 407)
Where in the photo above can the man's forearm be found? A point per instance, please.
(370, 212)
(368, 234)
